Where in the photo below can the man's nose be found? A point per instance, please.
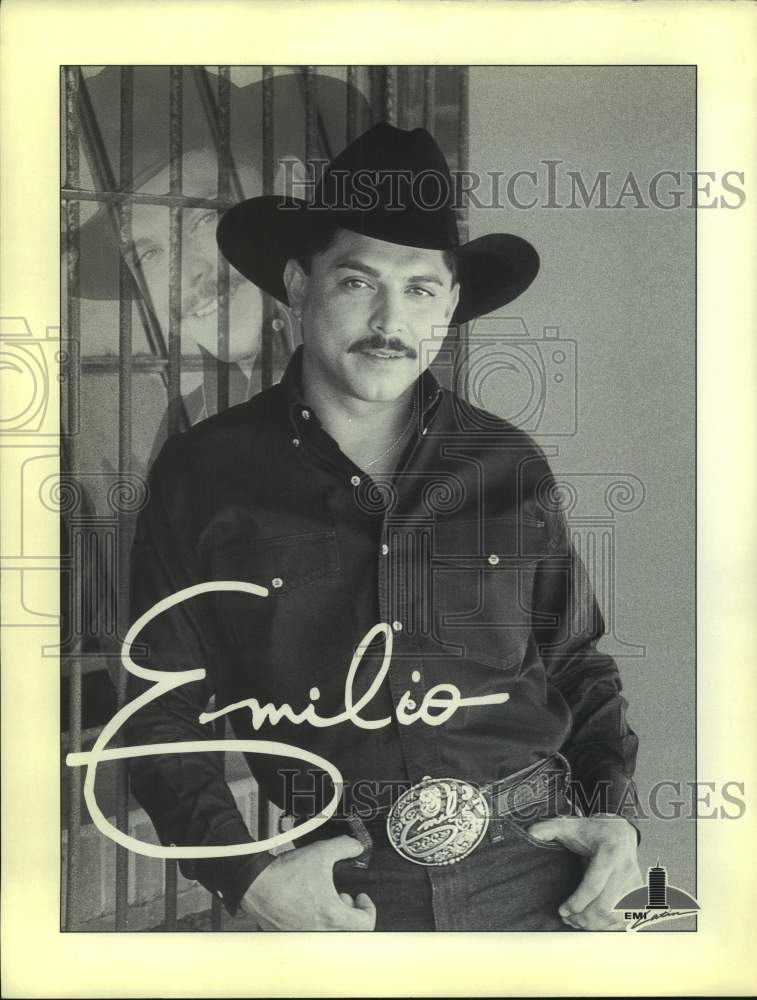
(199, 267)
(389, 314)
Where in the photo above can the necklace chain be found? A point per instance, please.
(396, 441)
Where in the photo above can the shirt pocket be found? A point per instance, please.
(282, 564)
(483, 579)
(301, 573)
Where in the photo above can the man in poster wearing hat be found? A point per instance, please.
(149, 250)
(427, 629)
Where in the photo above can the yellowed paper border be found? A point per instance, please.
(36, 38)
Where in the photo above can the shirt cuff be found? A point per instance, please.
(228, 878)
(607, 790)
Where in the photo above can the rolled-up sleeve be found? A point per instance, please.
(601, 747)
(185, 795)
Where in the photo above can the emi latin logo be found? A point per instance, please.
(656, 901)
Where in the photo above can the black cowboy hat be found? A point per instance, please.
(99, 252)
(392, 185)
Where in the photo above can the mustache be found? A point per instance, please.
(201, 294)
(377, 342)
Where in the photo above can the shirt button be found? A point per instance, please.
(219, 894)
(355, 480)
(296, 442)
(384, 550)
(425, 430)
(397, 626)
(306, 414)
(493, 559)
(411, 704)
(277, 582)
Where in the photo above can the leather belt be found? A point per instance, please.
(440, 821)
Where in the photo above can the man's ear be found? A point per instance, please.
(296, 284)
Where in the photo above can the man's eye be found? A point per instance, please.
(149, 255)
(421, 292)
(355, 283)
(205, 219)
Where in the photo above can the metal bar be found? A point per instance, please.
(223, 144)
(176, 91)
(390, 94)
(73, 320)
(462, 214)
(102, 174)
(352, 105)
(377, 92)
(403, 95)
(175, 114)
(268, 167)
(92, 663)
(170, 894)
(213, 112)
(267, 118)
(428, 98)
(71, 221)
(216, 913)
(262, 829)
(310, 81)
(263, 817)
(317, 136)
(124, 464)
(94, 148)
(88, 736)
(142, 364)
(462, 143)
(138, 198)
(216, 908)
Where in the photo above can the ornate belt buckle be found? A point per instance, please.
(438, 821)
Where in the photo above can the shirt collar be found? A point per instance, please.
(291, 384)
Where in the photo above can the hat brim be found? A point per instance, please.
(260, 235)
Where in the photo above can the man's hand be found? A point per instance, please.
(613, 870)
(296, 892)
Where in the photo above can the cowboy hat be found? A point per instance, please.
(99, 252)
(390, 184)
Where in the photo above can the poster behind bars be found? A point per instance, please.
(595, 361)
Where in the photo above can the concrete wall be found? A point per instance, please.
(620, 284)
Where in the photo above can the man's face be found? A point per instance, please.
(199, 293)
(367, 307)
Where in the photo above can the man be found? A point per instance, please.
(148, 253)
(427, 634)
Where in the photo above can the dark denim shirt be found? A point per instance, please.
(463, 552)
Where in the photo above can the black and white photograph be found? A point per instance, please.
(381, 455)
(376, 473)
